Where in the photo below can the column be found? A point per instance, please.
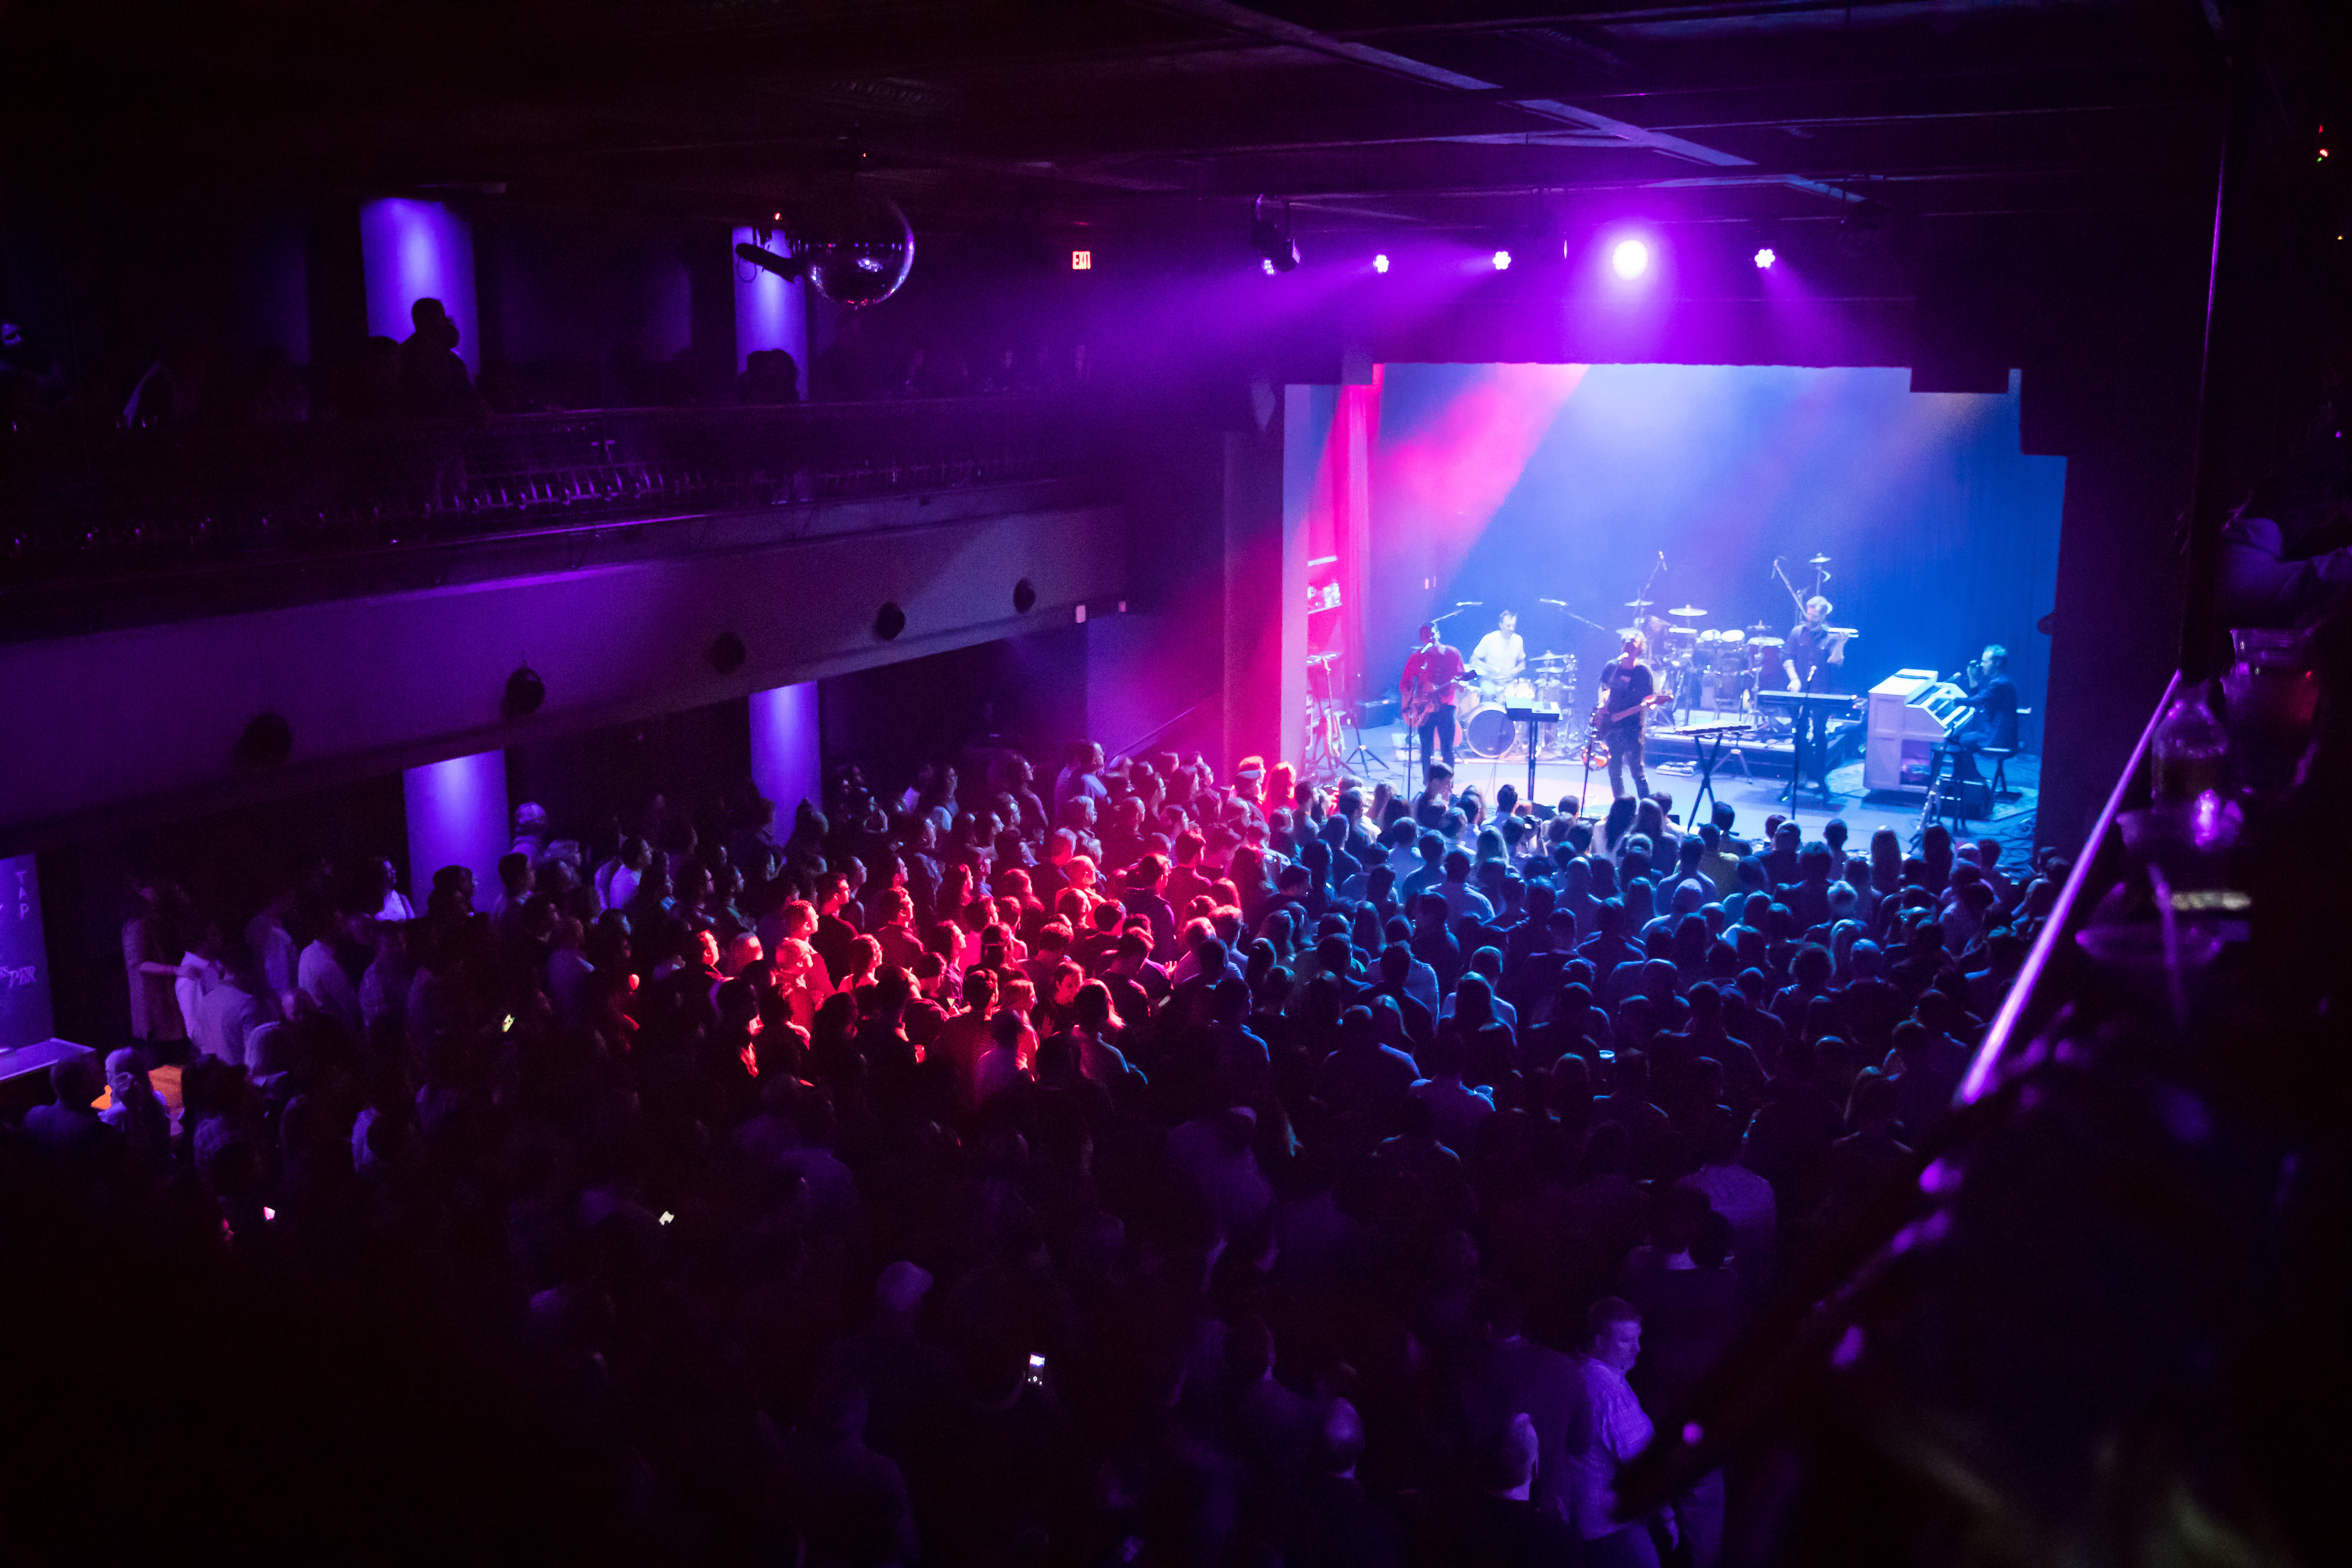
(414, 250)
(457, 816)
(770, 311)
(787, 756)
(1265, 599)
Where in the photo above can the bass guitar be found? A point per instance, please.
(1596, 741)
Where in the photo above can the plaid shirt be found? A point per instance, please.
(1611, 1430)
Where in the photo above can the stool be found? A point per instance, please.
(2000, 755)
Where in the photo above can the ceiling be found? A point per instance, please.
(1434, 115)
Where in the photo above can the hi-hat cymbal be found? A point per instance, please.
(1639, 603)
(1688, 612)
(1819, 560)
(1761, 627)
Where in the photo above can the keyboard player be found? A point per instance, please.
(1815, 662)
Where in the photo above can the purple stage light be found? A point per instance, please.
(1380, 263)
(1630, 258)
(1764, 260)
(1502, 261)
(1266, 262)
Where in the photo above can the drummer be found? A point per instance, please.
(1501, 655)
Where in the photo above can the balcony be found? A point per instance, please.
(118, 527)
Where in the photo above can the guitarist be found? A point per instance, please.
(1428, 687)
(1627, 689)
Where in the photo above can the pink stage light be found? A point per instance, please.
(1630, 258)
(1380, 263)
(1764, 260)
(1502, 261)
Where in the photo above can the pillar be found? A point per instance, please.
(413, 251)
(25, 1016)
(457, 816)
(1265, 598)
(787, 760)
(770, 312)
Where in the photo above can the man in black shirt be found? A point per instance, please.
(1995, 722)
(1625, 686)
(1815, 660)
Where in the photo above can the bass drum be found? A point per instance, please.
(1488, 732)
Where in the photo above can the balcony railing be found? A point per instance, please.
(84, 504)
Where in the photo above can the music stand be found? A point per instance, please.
(1531, 717)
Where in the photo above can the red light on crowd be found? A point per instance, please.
(1082, 261)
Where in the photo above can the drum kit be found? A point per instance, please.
(1483, 709)
(1714, 668)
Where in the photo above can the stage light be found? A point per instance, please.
(1502, 261)
(787, 267)
(1380, 263)
(1630, 258)
(1764, 260)
(1275, 250)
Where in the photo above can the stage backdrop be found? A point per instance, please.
(1509, 484)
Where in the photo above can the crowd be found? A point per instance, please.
(1120, 1165)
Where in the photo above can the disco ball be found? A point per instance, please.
(857, 246)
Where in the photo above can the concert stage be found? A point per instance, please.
(1751, 777)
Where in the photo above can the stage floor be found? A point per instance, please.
(1754, 796)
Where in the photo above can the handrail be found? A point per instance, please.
(1156, 730)
(74, 502)
(1807, 1324)
(2007, 1021)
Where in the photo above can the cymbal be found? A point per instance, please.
(1553, 659)
(1639, 603)
(1760, 627)
(1688, 612)
(1766, 642)
(1819, 560)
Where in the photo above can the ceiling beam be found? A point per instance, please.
(1240, 20)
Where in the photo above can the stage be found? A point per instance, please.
(1751, 778)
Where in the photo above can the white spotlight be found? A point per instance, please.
(1381, 262)
(1502, 261)
(1764, 260)
(1630, 258)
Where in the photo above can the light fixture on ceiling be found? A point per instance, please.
(1629, 258)
(1380, 263)
(1276, 250)
(1502, 261)
(1765, 258)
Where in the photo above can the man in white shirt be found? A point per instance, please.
(320, 974)
(273, 946)
(1610, 1431)
(1501, 655)
(233, 1009)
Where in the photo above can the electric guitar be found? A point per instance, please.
(1423, 697)
(1603, 718)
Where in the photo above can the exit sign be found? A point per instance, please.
(1082, 261)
